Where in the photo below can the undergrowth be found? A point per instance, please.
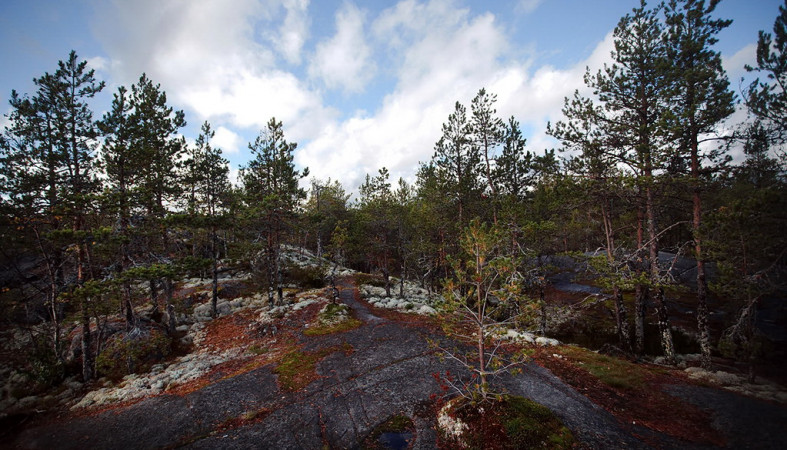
(297, 369)
(508, 423)
(615, 372)
(334, 318)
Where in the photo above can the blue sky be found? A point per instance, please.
(359, 85)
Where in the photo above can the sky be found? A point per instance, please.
(359, 85)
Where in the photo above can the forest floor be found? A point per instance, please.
(331, 388)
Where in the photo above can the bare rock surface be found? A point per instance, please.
(388, 371)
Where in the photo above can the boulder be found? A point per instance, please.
(427, 310)
(547, 342)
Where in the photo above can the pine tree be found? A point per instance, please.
(324, 210)
(628, 118)
(595, 163)
(210, 171)
(375, 211)
(140, 157)
(514, 172)
(701, 100)
(270, 182)
(48, 178)
(767, 99)
(456, 162)
(484, 282)
(122, 169)
(487, 133)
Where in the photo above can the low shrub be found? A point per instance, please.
(508, 422)
(334, 318)
(305, 277)
(372, 280)
(127, 353)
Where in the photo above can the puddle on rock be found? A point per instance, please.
(396, 440)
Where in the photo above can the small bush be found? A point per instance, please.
(305, 277)
(334, 318)
(508, 422)
(372, 280)
(128, 353)
(45, 367)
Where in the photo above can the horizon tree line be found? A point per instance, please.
(112, 204)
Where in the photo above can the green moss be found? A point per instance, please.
(371, 280)
(334, 318)
(332, 311)
(257, 350)
(395, 424)
(346, 325)
(293, 368)
(614, 372)
(531, 425)
(508, 422)
(297, 369)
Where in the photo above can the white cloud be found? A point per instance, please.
(734, 65)
(294, 30)
(207, 59)
(527, 6)
(220, 64)
(98, 63)
(249, 99)
(344, 60)
(4, 121)
(442, 55)
(226, 140)
(233, 175)
(180, 40)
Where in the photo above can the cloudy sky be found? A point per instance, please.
(358, 85)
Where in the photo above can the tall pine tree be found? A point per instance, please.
(270, 182)
(700, 101)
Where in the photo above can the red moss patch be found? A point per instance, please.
(230, 331)
(507, 423)
(640, 400)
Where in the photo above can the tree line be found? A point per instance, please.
(104, 206)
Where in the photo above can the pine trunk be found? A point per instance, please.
(662, 312)
(153, 297)
(702, 286)
(640, 291)
(665, 332)
(481, 346)
(170, 290)
(129, 310)
(387, 278)
(543, 324)
(621, 319)
(87, 345)
(215, 272)
(640, 307)
(271, 267)
(401, 280)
